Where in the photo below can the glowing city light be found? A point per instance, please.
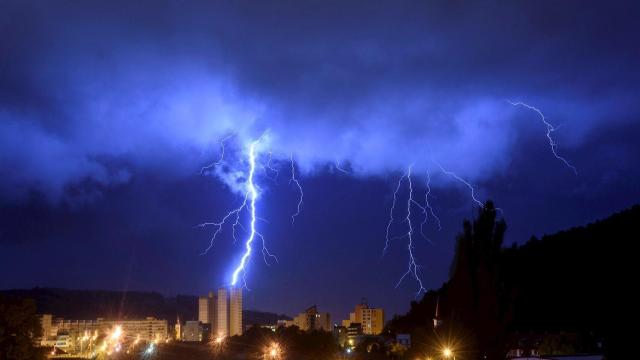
(151, 348)
(117, 332)
(273, 351)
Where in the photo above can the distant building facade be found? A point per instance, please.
(309, 320)
(354, 330)
(207, 309)
(71, 335)
(192, 331)
(340, 335)
(178, 329)
(235, 312)
(222, 319)
(370, 319)
(222, 312)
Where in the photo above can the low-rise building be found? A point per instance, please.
(77, 335)
(354, 330)
(370, 319)
(192, 331)
(340, 335)
(309, 320)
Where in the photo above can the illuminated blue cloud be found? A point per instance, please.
(155, 85)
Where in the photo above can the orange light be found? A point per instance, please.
(447, 352)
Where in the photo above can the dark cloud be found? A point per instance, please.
(379, 85)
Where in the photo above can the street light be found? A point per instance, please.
(219, 340)
(273, 351)
(117, 333)
(218, 343)
(447, 353)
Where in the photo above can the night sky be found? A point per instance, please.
(109, 110)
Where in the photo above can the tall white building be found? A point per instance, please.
(222, 328)
(235, 312)
(223, 311)
(203, 309)
(207, 309)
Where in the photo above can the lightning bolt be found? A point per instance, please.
(342, 170)
(214, 164)
(427, 206)
(463, 181)
(252, 196)
(220, 224)
(468, 185)
(248, 205)
(271, 168)
(413, 267)
(550, 130)
(393, 207)
(297, 183)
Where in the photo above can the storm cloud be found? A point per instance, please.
(91, 90)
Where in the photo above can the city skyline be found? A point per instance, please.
(120, 136)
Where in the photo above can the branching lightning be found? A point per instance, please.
(252, 195)
(341, 169)
(550, 130)
(393, 207)
(427, 206)
(271, 168)
(251, 192)
(248, 204)
(221, 159)
(413, 267)
(297, 183)
(220, 224)
(463, 181)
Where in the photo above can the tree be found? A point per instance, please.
(19, 327)
(477, 293)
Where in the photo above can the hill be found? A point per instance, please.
(573, 282)
(91, 304)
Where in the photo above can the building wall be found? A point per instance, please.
(203, 310)
(311, 319)
(192, 331)
(49, 333)
(213, 310)
(221, 314)
(323, 322)
(371, 319)
(301, 321)
(149, 329)
(340, 335)
(222, 321)
(235, 312)
(74, 335)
